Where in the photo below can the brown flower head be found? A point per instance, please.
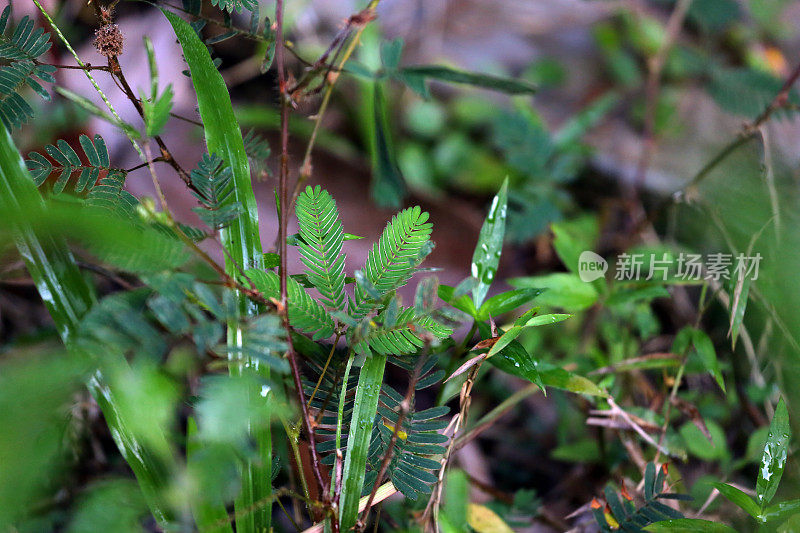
(108, 40)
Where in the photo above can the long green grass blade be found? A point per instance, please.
(242, 241)
(361, 422)
(68, 297)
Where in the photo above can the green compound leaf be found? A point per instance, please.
(394, 258)
(305, 313)
(321, 245)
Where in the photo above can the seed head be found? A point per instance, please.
(108, 40)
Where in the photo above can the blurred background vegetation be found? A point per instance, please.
(635, 98)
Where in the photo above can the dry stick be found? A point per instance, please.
(305, 167)
(459, 420)
(282, 229)
(405, 407)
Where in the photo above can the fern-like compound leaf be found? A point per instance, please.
(212, 182)
(321, 244)
(110, 194)
(394, 258)
(25, 42)
(633, 518)
(258, 151)
(305, 313)
(14, 110)
(21, 47)
(400, 336)
(419, 443)
(69, 165)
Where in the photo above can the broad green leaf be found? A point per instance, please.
(241, 239)
(699, 446)
(35, 390)
(456, 500)
(558, 378)
(773, 460)
(505, 339)
(114, 504)
(779, 510)
(573, 237)
(156, 111)
(514, 359)
(208, 508)
(462, 303)
(388, 185)
(541, 320)
(415, 77)
(739, 498)
(515, 330)
(680, 525)
(506, 301)
(622, 295)
(565, 291)
(490, 243)
(708, 356)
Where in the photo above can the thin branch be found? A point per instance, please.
(405, 407)
(306, 168)
(282, 252)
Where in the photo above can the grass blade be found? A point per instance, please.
(242, 241)
(355, 462)
(68, 297)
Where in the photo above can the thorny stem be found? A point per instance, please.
(282, 233)
(292, 433)
(146, 163)
(113, 63)
(86, 67)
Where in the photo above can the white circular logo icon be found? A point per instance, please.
(591, 266)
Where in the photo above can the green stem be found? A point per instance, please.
(242, 242)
